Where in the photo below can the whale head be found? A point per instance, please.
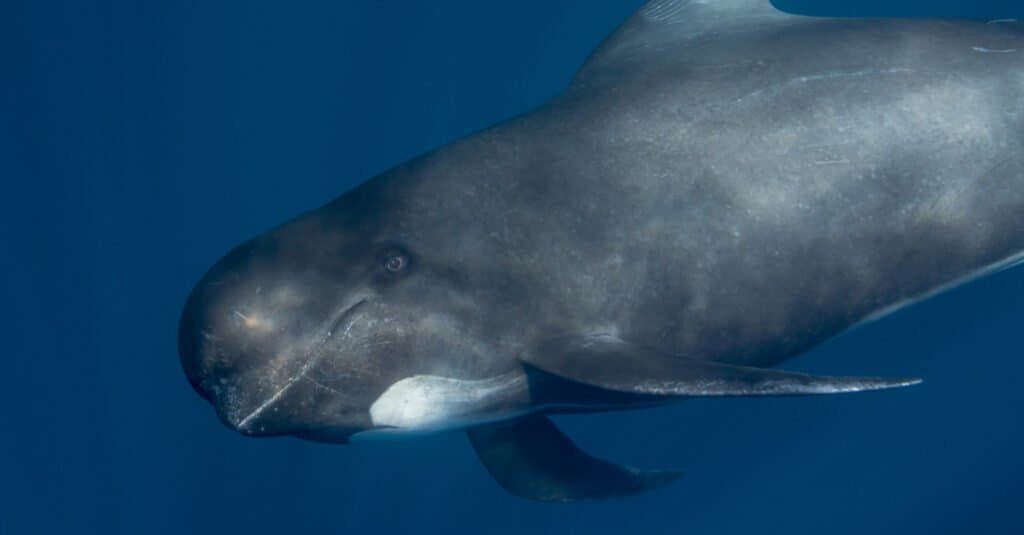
(337, 323)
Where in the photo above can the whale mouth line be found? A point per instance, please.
(315, 356)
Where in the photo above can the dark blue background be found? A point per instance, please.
(140, 140)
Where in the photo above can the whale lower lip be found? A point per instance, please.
(247, 424)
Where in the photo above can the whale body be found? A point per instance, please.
(722, 187)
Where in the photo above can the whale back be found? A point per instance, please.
(664, 26)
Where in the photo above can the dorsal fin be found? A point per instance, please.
(664, 23)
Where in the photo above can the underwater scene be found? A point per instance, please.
(542, 266)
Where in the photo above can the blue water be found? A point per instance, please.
(140, 140)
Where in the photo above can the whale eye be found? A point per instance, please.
(395, 262)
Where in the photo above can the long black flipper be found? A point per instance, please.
(530, 457)
(607, 362)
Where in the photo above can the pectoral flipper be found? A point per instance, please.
(607, 362)
(530, 457)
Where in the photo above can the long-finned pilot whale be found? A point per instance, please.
(722, 187)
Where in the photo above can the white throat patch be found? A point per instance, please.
(434, 403)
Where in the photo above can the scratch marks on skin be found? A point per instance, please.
(987, 50)
(847, 74)
(799, 80)
(321, 385)
(254, 321)
(984, 50)
(667, 11)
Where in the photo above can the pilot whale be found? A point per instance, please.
(722, 187)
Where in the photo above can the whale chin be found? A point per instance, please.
(270, 423)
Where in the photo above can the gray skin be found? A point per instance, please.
(722, 183)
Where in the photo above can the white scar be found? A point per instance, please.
(423, 402)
